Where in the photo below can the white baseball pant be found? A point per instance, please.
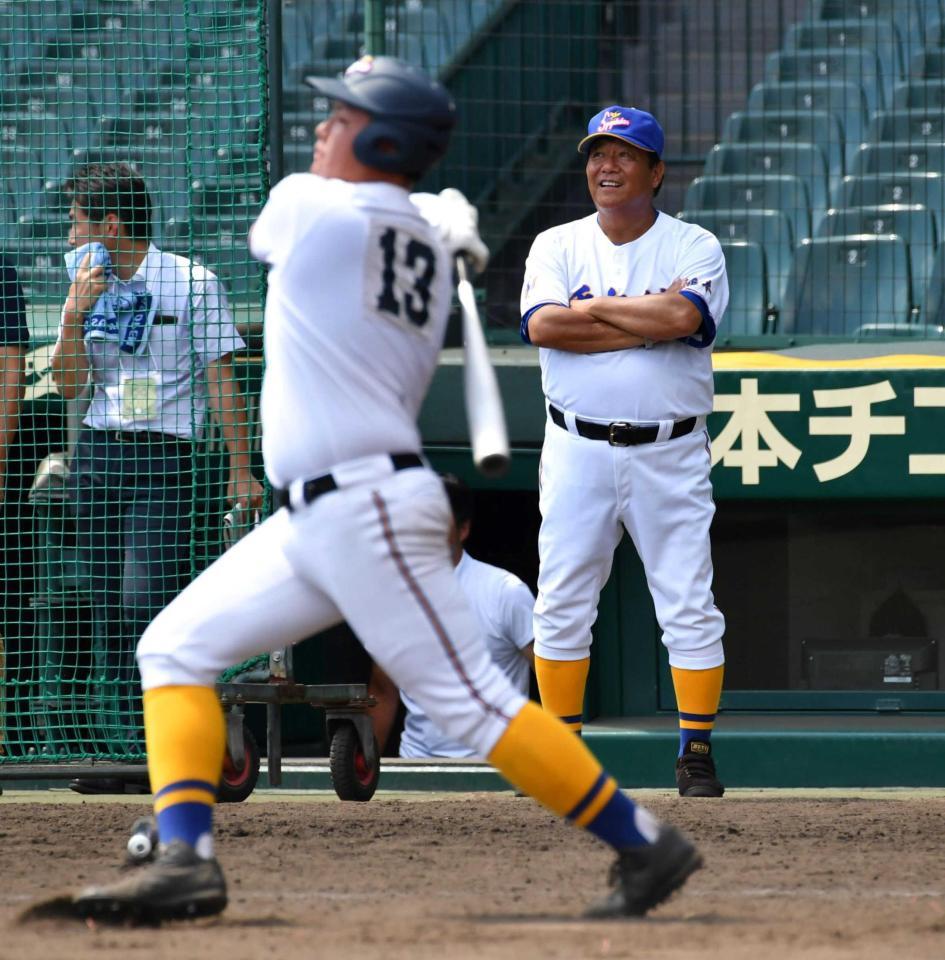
(372, 553)
(661, 494)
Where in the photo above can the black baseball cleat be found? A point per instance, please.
(103, 786)
(179, 885)
(695, 772)
(643, 877)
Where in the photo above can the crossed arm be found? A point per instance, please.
(601, 324)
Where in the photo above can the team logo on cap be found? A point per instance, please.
(611, 119)
(364, 65)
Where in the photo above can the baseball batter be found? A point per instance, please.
(624, 306)
(359, 291)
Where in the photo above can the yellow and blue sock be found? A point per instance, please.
(561, 686)
(538, 754)
(186, 739)
(697, 698)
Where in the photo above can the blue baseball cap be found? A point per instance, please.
(625, 123)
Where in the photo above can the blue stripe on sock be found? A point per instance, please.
(574, 718)
(697, 717)
(187, 785)
(588, 797)
(616, 823)
(185, 821)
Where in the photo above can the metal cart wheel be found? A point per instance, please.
(351, 775)
(239, 779)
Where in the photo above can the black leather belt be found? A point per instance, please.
(318, 486)
(621, 433)
(144, 436)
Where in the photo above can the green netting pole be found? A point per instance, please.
(274, 69)
(374, 27)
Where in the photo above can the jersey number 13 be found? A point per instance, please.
(406, 275)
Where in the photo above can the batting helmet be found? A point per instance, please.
(412, 115)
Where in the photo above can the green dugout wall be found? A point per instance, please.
(828, 476)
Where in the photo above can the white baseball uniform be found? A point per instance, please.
(186, 323)
(503, 607)
(359, 292)
(590, 490)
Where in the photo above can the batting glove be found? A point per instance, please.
(457, 222)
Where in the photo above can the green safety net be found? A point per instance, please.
(99, 98)
(808, 135)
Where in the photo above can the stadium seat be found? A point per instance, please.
(229, 258)
(298, 127)
(846, 286)
(203, 230)
(845, 100)
(41, 269)
(407, 46)
(880, 189)
(21, 173)
(748, 292)
(802, 160)
(306, 27)
(462, 19)
(907, 126)
(225, 197)
(794, 126)
(934, 303)
(769, 229)
(787, 194)
(928, 65)
(236, 160)
(333, 56)
(41, 132)
(851, 65)
(913, 223)
(296, 158)
(97, 78)
(170, 131)
(8, 219)
(878, 34)
(421, 22)
(912, 16)
(920, 95)
(73, 106)
(899, 158)
(43, 227)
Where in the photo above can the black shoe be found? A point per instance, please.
(695, 772)
(179, 885)
(643, 877)
(100, 786)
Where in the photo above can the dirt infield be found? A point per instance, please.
(490, 876)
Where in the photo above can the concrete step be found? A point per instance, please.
(753, 751)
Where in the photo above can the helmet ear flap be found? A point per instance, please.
(387, 146)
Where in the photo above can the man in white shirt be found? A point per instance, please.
(624, 306)
(503, 607)
(151, 333)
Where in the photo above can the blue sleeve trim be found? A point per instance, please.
(705, 335)
(523, 327)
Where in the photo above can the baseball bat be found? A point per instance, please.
(484, 412)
